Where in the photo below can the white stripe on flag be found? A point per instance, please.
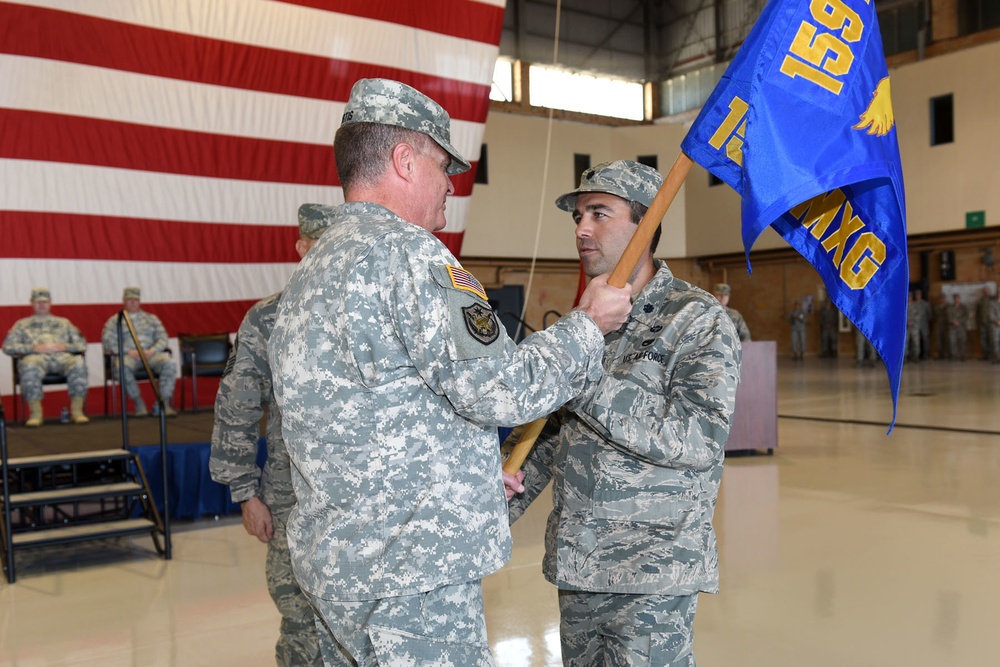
(95, 92)
(298, 29)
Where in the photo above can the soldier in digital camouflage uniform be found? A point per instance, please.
(265, 496)
(797, 318)
(828, 336)
(923, 309)
(912, 345)
(958, 322)
(391, 372)
(44, 343)
(153, 338)
(636, 460)
(994, 318)
(941, 326)
(722, 293)
(983, 323)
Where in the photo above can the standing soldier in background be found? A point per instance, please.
(44, 343)
(722, 293)
(864, 352)
(828, 316)
(797, 319)
(941, 326)
(958, 323)
(983, 323)
(923, 309)
(153, 339)
(912, 347)
(995, 326)
(265, 496)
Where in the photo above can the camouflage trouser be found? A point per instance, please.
(956, 342)
(985, 340)
(941, 334)
(33, 367)
(619, 630)
(298, 636)
(161, 363)
(828, 342)
(798, 342)
(913, 343)
(445, 627)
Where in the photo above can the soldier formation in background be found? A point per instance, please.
(153, 339)
(44, 343)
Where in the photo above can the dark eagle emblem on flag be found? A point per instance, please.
(481, 323)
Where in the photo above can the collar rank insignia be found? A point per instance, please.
(463, 280)
(481, 323)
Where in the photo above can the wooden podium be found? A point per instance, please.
(755, 419)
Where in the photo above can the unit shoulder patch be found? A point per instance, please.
(481, 323)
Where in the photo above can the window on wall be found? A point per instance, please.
(648, 160)
(977, 15)
(502, 89)
(581, 163)
(942, 120)
(483, 167)
(604, 96)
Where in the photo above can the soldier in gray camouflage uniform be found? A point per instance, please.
(958, 322)
(44, 343)
(636, 460)
(265, 496)
(994, 318)
(722, 293)
(153, 338)
(391, 371)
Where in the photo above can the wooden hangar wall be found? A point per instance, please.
(701, 238)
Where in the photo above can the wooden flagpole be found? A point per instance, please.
(618, 278)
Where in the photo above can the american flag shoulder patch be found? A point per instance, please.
(463, 280)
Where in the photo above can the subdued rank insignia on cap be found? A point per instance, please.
(481, 322)
(463, 280)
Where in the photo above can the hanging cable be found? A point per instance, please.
(545, 180)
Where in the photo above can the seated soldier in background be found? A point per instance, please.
(44, 343)
(153, 338)
(722, 292)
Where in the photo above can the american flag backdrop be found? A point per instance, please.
(168, 143)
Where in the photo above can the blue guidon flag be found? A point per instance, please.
(801, 125)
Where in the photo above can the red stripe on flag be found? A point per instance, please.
(55, 35)
(452, 241)
(458, 18)
(32, 135)
(48, 235)
(200, 317)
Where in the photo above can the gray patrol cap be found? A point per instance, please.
(314, 219)
(722, 288)
(40, 294)
(393, 103)
(629, 180)
(131, 293)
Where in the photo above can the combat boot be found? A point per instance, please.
(35, 418)
(76, 410)
(140, 409)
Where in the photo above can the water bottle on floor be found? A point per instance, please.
(64, 415)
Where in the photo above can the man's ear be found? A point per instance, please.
(404, 160)
(301, 247)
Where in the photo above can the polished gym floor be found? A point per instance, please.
(847, 547)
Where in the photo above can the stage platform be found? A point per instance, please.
(192, 492)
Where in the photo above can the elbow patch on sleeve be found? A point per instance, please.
(474, 328)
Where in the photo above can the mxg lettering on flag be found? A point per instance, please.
(801, 125)
(169, 143)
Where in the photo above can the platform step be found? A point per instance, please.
(90, 531)
(72, 494)
(69, 459)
